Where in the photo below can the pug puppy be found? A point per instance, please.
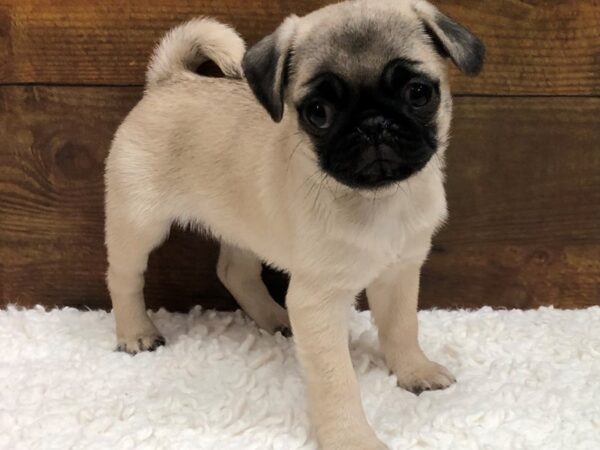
(322, 154)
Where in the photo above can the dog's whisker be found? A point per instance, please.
(318, 193)
(292, 156)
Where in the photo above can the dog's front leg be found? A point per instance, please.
(319, 318)
(393, 299)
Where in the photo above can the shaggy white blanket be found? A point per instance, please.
(526, 380)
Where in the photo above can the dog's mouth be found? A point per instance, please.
(376, 175)
(374, 166)
(381, 172)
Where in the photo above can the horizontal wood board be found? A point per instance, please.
(535, 47)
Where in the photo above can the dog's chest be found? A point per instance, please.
(388, 232)
(354, 243)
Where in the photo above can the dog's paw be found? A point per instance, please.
(424, 376)
(276, 321)
(143, 343)
(285, 331)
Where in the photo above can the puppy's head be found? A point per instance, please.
(366, 81)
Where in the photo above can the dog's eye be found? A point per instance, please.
(418, 94)
(319, 114)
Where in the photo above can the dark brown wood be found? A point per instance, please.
(535, 47)
(512, 275)
(523, 183)
(51, 205)
(524, 194)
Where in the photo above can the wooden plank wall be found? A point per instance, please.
(524, 164)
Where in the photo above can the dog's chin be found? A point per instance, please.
(376, 178)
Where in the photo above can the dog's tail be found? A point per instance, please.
(187, 46)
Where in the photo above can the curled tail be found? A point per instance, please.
(187, 46)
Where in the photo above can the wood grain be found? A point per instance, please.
(535, 47)
(524, 196)
(524, 192)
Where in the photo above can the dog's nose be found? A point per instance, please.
(373, 126)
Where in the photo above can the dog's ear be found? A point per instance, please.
(451, 39)
(266, 64)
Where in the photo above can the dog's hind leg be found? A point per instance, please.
(240, 271)
(128, 246)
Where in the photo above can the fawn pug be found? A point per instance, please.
(321, 152)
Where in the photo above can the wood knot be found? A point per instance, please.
(74, 161)
(540, 257)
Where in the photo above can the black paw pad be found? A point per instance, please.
(418, 390)
(158, 342)
(123, 348)
(285, 331)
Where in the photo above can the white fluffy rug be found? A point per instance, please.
(526, 380)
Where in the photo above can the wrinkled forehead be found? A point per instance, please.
(358, 47)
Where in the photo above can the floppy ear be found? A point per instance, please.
(265, 67)
(451, 39)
